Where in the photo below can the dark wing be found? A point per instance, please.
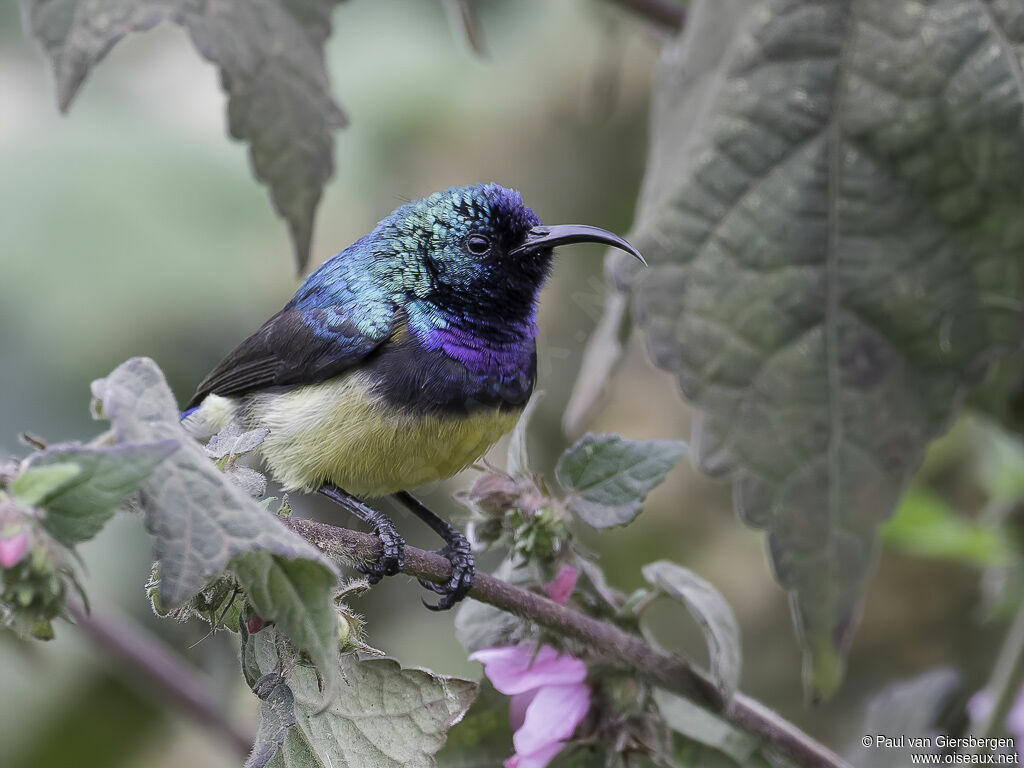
(295, 346)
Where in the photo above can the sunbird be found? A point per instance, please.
(400, 360)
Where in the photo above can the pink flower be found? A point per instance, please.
(563, 585)
(12, 549)
(549, 698)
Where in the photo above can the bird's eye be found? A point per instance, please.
(478, 245)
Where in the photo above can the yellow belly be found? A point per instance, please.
(338, 432)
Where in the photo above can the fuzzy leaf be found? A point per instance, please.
(296, 752)
(31, 486)
(277, 715)
(78, 509)
(836, 258)
(386, 716)
(201, 521)
(232, 441)
(608, 477)
(271, 61)
(712, 613)
(481, 625)
(700, 725)
(291, 592)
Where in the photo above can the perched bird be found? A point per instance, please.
(400, 360)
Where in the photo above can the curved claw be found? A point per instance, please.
(392, 558)
(459, 554)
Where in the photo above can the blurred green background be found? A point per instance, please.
(133, 227)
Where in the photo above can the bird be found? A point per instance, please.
(399, 361)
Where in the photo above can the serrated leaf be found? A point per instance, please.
(271, 61)
(270, 54)
(31, 486)
(836, 258)
(712, 613)
(700, 725)
(201, 522)
(911, 709)
(291, 593)
(386, 717)
(77, 34)
(608, 477)
(79, 508)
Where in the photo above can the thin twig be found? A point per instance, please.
(663, 12)
(144, 654)
(662, 669)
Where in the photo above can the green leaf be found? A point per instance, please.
(712, 613)
(201, 521)
(388, 717)
(481, 625)
(277, 715)
(700, 725)
(927, 526)
(271, 61)
(78, 509)
(296, 752)
(608, 477)
(911, 709)
(291, 594)
(835, 241)
(33, 485)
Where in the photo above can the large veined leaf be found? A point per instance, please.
(387, 716)
(270, 55)
(836, 243)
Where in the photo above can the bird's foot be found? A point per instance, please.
(392, 557)
(458, 552)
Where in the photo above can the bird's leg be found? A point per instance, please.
(456, 550)
(392, 558)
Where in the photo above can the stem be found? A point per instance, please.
(1005, 682)
(144, 654)
(663, 12)
(662, 669)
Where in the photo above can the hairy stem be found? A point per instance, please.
(662, 669)
(140, 653)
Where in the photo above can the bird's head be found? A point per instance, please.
(479, 251)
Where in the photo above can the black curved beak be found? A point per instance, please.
(565, 234)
